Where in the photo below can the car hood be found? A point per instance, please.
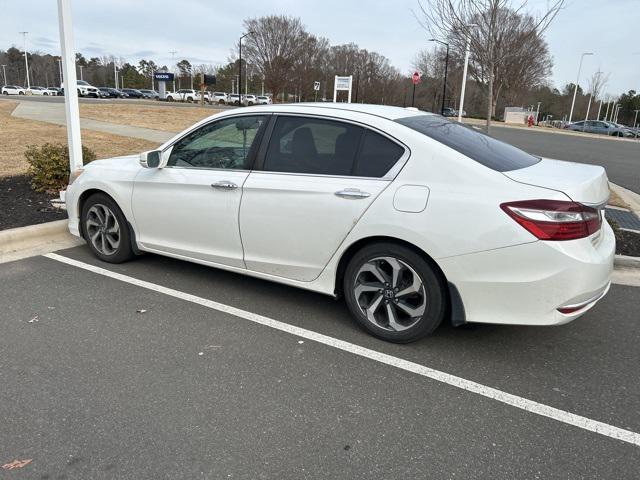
(121, 163)
(587, 184)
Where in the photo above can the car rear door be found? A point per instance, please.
(315, 177)
(190, 207)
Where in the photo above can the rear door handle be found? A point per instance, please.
(224, 185)
(352, 193)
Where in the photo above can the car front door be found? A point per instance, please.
(190, 207)
(312, 182)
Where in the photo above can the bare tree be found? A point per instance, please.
(501, 36)
(275, 45)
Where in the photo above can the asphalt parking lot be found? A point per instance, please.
(106, 376)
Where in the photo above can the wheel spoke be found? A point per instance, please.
(411, 310)
(367, 287)
(92, 223)
(113, 242)
(371, 310)
(393, 319)
(396, 268)
(415, 287)
(373, 268)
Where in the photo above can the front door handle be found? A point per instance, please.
(224, 185)
(352, 193)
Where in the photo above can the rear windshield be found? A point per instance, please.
(482, 148)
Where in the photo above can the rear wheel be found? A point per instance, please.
(105, 229)
(394, 293)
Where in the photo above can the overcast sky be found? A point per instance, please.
(204, 31)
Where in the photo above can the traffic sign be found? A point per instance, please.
(316, 86)
(416, 77)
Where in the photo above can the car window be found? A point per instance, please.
(314, 146)
(377, 155)
(223, 144)
(470, 142)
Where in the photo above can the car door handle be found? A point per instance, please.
(224, 185)
(352, 193)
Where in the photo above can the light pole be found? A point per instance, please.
(615, 118)
(4, 74)
(635, 123)
(240, 67)
(26, 62)
(599, 109)
(575, 89)
(538, 112)
(173, 68)
(446, 68)
(60, 70)
(80, 66)
(464, 72)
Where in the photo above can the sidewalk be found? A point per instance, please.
(54, 113)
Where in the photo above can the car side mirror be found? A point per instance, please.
(150, 159)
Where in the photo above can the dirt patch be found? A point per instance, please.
(156, 117)
(17, 133)
(21, 206)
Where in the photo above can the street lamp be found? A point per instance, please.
(26, 62)
(446, 67)
(4, 74)
(173, 68)
(240, 67)
(575, 90)
(464, 72)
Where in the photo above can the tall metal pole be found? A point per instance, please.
(80, 66)
(538, 112)
(635, 123)
(240, 67)
(173, 68)
(606, 113)
(413, 95)
(26, 62)
(599, 109)
(4, 74)
(71, 108)
(464, 72)
(60, 70)
(575, 89)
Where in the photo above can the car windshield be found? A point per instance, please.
(82, 82)
(486, 150)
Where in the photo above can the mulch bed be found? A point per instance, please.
(628, 243)
(21, 206)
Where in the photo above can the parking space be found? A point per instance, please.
(109, 377)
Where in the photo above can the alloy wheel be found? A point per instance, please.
(103, 229)
(390, 293)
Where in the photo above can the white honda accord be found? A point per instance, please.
(412, 218)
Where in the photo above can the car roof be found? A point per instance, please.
(384, 111)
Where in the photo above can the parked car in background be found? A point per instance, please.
(12, 90)
(183, 95)
(85, 89)
(56, 91)
(234, 99)
(600, 127)
(250, 99)
(42, 91)
(110, 92)
(133, 92)
(152, 94)
(263, 100)
(350, 200)
(219, 97)
(449, 112)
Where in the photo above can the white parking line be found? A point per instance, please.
(468, 385)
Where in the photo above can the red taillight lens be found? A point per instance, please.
(554, 219)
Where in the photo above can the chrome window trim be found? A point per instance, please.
(391, 174)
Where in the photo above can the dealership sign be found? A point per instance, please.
(163, 76)
(342, 83)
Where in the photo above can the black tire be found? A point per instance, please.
(221, 102)
(20, 93)
(124, 250)
(169, 99)
(434, 294)
(189, 99)
(5, 93)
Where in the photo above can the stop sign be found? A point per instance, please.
(415, 78)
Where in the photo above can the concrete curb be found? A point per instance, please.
(625, 261)
(630, 198)
(21, 242)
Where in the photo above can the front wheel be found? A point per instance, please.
(394, 293)
(105, 229)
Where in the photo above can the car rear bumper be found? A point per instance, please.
(538, 283)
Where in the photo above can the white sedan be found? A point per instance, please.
(412, 218)
(42, 91)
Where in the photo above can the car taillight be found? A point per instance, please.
(554, 219)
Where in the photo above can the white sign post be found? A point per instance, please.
(342, 83)
(71, 108)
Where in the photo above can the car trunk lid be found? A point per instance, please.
(586, 184)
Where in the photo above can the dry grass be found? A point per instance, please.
(156, 117)
(17, 133)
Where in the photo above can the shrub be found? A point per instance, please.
(49, 165)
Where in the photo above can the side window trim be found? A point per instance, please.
(258, 165)
(252, 152)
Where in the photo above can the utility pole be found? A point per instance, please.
(173, 68)
(575, 89)
(80, 66)
(4, 73)
(26, 62)
(240, 67)
(115, 74)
